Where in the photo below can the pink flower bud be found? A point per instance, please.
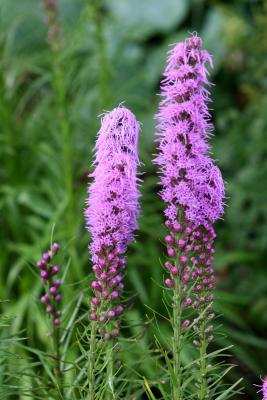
(55, 247)
(169, 239)
(46, 257)
(169, 282)
(49, 309)
(55, 270)
(176, 227)
(171, 252)
(111, 314)
(44, 274)
(45, 299)
(92, 316)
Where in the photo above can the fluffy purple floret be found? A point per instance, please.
(264, 388)
(111, 215)
(188, 175)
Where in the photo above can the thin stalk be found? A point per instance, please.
(103, 63)
(6, 122)
(177, 341)
(203, 386)
(110, 372)
(60, 92)
(58, 371)
(55, 41)
(91, 366)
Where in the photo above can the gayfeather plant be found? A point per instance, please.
(193, 191)
(111, 218)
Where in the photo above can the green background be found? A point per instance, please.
(115, 51)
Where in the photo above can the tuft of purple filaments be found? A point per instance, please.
(192, 186)
(48, 271)
(264, 388)
(112, 209)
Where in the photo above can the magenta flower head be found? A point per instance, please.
(112, 206)
(192, 186)
(188, 176)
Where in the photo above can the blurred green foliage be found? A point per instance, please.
(115, 51)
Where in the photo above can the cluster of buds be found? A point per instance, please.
(48, 273)
(51, 20)
(107, 287)
(191, 253)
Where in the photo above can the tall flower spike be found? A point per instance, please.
(112, 209)
(192, 189)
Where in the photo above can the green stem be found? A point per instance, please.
(6, 122)
(203, 387)
(60, 92)
(177, 341)
(58, 371)
(66, 143)
(102, 55)
(91, 366)
(110, 372)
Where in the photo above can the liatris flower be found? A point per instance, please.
(51, 298)
(111, 215)
(193, 190)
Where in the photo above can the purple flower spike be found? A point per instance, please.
(112, 205)
(192, 185)
(188, 175)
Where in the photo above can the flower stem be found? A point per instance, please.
(91, 366)
(55, 41)
(60, 92)
(177, 341)
(203, 387)
(103, 62)
(58, 370)
(110, 372)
